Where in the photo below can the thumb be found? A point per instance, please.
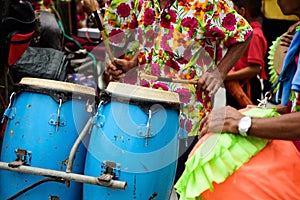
(117, 60)
(119, 63)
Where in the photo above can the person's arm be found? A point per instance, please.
(245, 73)
(211, 81)
(226, 119)
(284, 127)
(233, 54)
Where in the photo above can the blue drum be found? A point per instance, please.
(134, 139)
(44, 120)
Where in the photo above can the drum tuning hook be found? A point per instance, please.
(57, 123)
(148, 134)
(182, 132)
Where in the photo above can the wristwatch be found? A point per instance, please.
(244, 125)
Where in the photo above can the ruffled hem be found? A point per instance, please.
(217, 157)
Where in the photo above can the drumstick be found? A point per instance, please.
(101, 29)
(164, 79)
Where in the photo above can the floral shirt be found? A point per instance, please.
(182, 40)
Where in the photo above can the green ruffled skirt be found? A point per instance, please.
(218, 157)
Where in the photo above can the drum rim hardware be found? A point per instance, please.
(144, 103)
(54, 93)
(23, 158)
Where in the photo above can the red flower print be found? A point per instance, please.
(140, 35)
(144, 83)
(211, 52)
(209, 8)
(133, 23)
(142, 59)
(190, 23)
(150, 55)
(149, 17)
(130, 77)
(207, 102)
(123, 10)
(155, 69)
(188, 124)
(116, 36)
(167, 71)
(165, 46)
(150, 38)
(160, 86)
(184, 95)
(248, 34)
(199, 95)
(172, 64)
(204, 58)
(182, 61)
(168, 18)
(192, 74)
(203, 98)
(229, 22)
(230, 41)
(214, 32)
(170, 53)
(187, 54)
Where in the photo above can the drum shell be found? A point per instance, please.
(49, 146)
(147, 165)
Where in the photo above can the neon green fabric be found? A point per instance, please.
(218, 157)
(272, 72)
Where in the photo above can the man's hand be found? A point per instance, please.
(209, 82)
(224, 119)
(287, 37)
(118, 69)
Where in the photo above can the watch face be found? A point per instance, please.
(244, 124)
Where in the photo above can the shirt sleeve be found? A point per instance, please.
(256, 51)
(231, 26)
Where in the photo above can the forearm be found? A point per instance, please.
(285, 127)
(232, 56)
(245, 73)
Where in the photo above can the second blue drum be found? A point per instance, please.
(134, 139)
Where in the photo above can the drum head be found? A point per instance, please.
(139, 92)
(279, 56)
(58, 85)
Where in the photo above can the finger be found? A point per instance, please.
(202, 132)
(203, 121)
(204, 127)
(110, 66)
(119, 63)
(201, 84)
(213, 90)
(285, 40)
